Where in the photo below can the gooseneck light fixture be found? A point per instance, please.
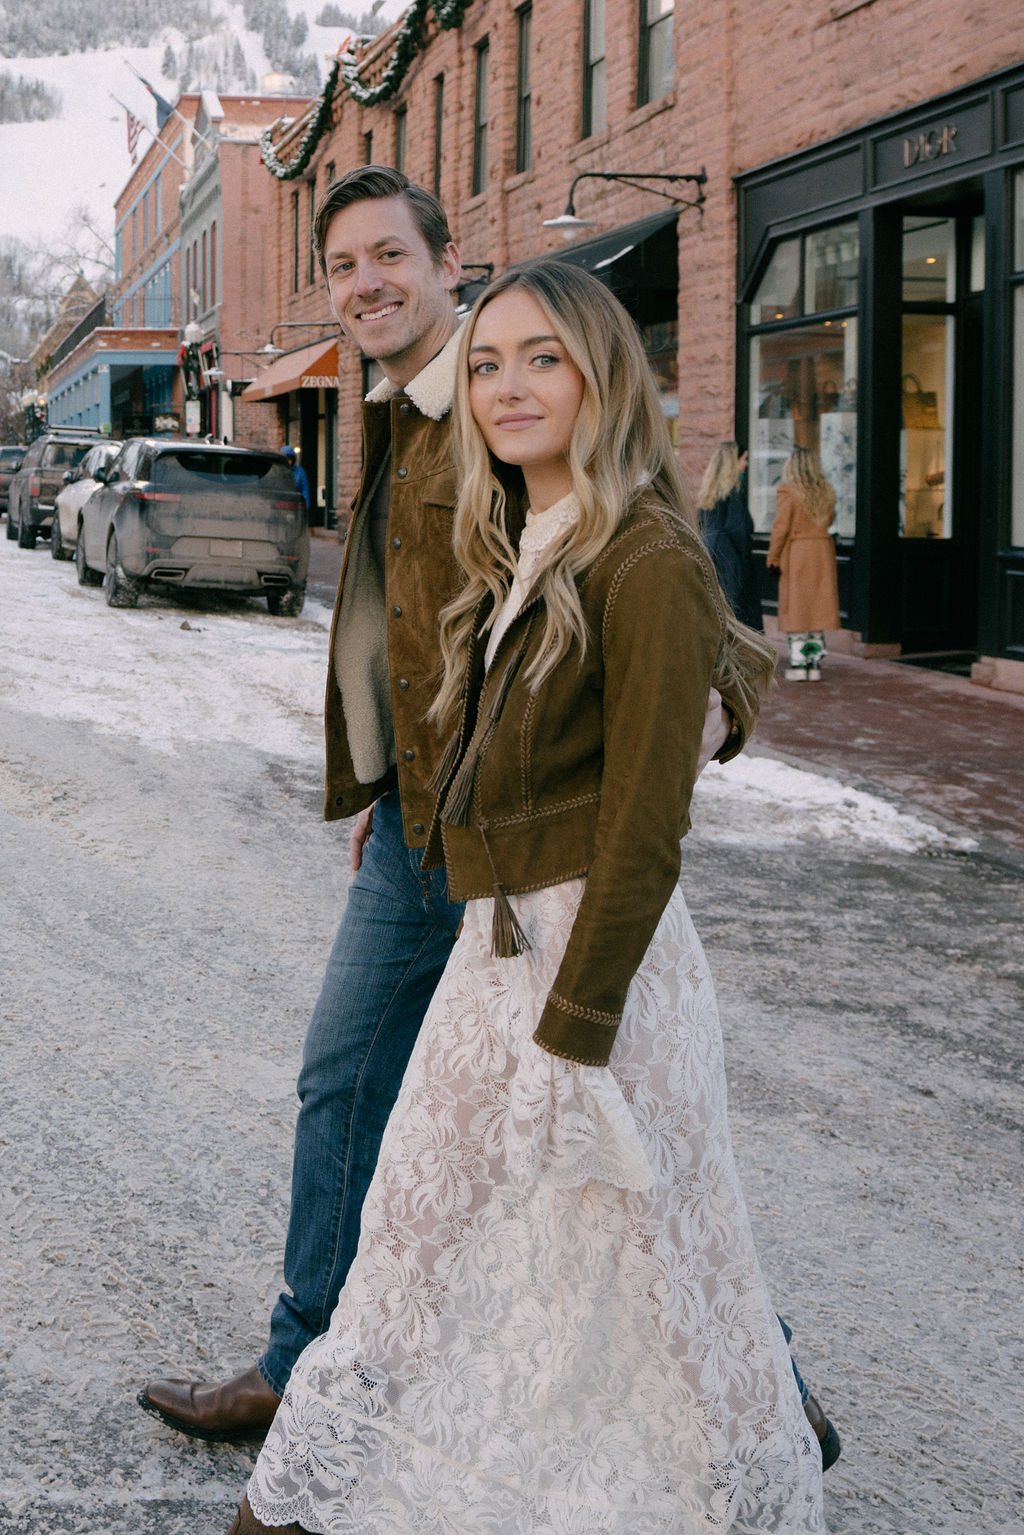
(570, 225)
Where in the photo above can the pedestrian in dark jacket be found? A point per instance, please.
(727, 530)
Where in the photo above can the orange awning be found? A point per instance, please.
(311, 367)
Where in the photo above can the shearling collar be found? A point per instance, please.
(433, 388)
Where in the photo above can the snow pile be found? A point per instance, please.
(169, 672)
(759, 802)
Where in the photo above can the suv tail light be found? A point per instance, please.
(155, 495)
(34, 484)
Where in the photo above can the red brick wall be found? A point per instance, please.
(752, 83)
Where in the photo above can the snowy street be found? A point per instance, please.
(168, 900)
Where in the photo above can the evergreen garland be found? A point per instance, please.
(449, 14)
(310, 139)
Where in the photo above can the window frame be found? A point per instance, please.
(481, 64)
(593, 66)
(524, 126)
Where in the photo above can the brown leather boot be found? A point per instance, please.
(825, 1431)
(238, 1410)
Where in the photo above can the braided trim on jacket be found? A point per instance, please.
(591, 1014)
(577, 801)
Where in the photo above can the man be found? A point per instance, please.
(391, 269)
(298, 473)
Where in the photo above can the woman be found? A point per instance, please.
(727, 530)
(802, 549)
(555, 1320)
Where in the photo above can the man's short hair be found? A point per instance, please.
(372, 181)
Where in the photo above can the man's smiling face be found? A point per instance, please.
(387, 292)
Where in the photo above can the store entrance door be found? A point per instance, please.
(939, 488)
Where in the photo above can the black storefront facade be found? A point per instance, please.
(881, 322)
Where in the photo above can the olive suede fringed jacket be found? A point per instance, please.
(592, 773)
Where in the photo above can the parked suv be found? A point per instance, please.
(79, 484)
(195, 514)
(10, 463)
(33, 490)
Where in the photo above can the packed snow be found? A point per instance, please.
(178, 670)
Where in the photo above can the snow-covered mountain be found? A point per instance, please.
(49, 170)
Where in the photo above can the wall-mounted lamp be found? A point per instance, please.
(570, 225)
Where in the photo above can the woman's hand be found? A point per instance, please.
(717, 728)
(359, 837)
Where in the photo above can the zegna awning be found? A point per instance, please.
(638, 261)
(311, 367)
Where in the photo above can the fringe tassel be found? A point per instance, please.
(441, 774)
(459, 798)
(507, 937)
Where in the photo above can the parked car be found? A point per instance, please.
(10, 463)
(33, 490)
(194, 514)
(79, 484)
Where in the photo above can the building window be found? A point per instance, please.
(479, 183)
(185, 311)
(157, 205)
(368, 148)
(524, 145)
(803, 375)
(657, 60)
(194, 293)
(329, 171)
(927, 371)
(213, 265)
(438, 130)
(595, 101)
(311, 253)
(295, 242)
(401, 119)
(204, 290)
(118, 254)
(145, 220)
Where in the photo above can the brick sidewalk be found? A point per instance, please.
(948, 745)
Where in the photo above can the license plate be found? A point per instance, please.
(230, 548)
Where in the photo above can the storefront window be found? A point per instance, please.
(803, 394)
(926, 506)
(778, 295)
(661, 343)
(929, 260)
(831, 258)
(1018, 223)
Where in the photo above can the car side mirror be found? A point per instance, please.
(67, 477)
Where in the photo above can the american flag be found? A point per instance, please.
(134, 129)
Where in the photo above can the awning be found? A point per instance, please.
(311, 367)
(638, 261)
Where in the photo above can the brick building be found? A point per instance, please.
(851, 281)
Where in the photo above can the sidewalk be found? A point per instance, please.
(944, 743)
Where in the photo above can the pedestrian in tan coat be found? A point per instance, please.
(801, 548)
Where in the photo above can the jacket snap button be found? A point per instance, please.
(405, 408)
(418, 828)
(403, 683)
(402, 472)
(409, 754)
(396, 611)
(340, 799)
(396, 543)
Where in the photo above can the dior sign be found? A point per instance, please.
(929, 145)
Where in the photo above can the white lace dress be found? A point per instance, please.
(555, 1321)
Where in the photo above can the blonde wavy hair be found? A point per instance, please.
(720, 477)
(802, 470)
(620, 453)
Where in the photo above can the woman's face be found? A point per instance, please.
(525, 393)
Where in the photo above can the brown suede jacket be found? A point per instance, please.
(385, 655)
(592, 773)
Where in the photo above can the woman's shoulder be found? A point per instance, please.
(651, 531)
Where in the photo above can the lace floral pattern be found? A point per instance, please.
(542, 528)
(555, 1323)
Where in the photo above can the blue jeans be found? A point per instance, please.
(393, 943)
